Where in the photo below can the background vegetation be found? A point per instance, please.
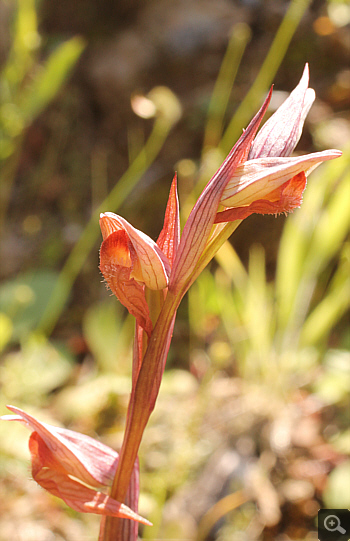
(99, 103)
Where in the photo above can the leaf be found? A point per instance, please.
(106, 330)
(49, 78)
(5, 330)
(20, 369)
(24, 300)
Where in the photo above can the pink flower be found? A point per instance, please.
(68, 464)
(150, 279)
(271, 182)
(257, 176)
(131, 261)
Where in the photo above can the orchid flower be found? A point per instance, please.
(258, 176)
(130, 260)
(150, 279)
(271, 182)
(71, 466)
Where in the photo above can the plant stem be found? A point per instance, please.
(141, 405)
(218, 104)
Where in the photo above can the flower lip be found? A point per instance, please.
(150, 265)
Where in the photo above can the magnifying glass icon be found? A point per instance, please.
(332, 524)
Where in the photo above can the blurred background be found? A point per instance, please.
(100, 102)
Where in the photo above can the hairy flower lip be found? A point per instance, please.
(150, 266)
(258, 177)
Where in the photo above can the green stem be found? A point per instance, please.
(216, 111)
(8, 173)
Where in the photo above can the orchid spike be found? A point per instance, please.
(257, 176)
(150, 279)
(59, 455)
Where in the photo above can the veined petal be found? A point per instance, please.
(255, 179)
(150, 265)
(281, 133)
(169, 236)
(109, 223)
(79, 455)
(78, 496)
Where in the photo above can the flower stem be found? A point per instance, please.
(141, 404)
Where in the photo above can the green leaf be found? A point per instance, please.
(6, 328)
(49, 78)
(24, 300)
(333, 305)
(333, 385)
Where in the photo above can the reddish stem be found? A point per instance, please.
(141, 405)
